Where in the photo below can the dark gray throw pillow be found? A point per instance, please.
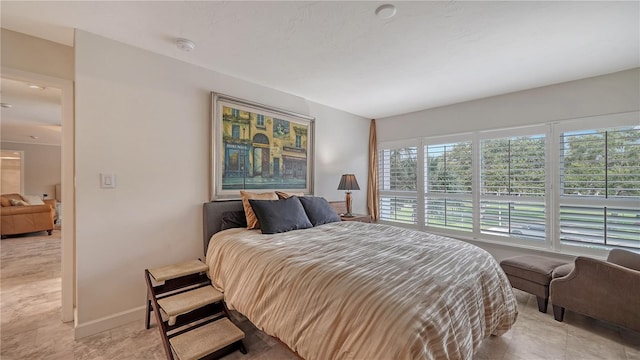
(233, 219)
(318, 210)
(277, 216)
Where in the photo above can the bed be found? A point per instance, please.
(349, 290)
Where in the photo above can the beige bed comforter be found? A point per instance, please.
(350, 290)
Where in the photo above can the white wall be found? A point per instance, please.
(51, 59)
(342, 146)
(146, 118)
(41, 167)
(607, 94)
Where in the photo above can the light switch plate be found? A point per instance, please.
(107, 181)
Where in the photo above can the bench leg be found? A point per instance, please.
(542, 304)
(147, 318)
(558, 313)
(242, 348)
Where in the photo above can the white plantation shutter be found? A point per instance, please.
(398, 184)
(513, 166)
(449, 213)
(513, 187)
(600, 187)
(398, 209)
(525, 220)
(448, 185)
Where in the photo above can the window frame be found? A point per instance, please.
(552, 198)
(442, 140)
(587, 123)
(523, 131)
(390, 145)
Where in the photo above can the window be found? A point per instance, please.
(235, 131)
(600, 187)
(298, 141)
(398, 184)
(568, 185)
(260, 121)
(513, 187)
(12, 171)
(448, 185)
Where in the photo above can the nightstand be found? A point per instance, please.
(357, 217)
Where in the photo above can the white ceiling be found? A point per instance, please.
(33, 113)
(431, 53)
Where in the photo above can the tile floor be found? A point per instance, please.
(30, 325)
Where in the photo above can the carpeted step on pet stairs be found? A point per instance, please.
(191, 315)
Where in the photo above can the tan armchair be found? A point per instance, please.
(606, 290)
(25, 219)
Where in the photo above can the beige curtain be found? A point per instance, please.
(372, 184)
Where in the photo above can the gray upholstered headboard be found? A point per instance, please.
(212, 220)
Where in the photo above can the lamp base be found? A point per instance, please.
(348, 201)
(348, 215)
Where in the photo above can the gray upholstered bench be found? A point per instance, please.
(532, 274)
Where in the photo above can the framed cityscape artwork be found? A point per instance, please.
(258, 148)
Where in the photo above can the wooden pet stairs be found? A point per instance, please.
(191, 315)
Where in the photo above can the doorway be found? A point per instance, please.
(67, 174)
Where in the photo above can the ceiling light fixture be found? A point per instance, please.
(386, 11)
(185, 44)
(6, 105)
(36, 87)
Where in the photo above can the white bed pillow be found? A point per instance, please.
(33, 199)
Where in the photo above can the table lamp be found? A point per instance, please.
(348, 182)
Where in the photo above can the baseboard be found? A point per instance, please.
(107, 323)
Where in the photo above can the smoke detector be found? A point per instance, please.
(185, 44)
(386, 11)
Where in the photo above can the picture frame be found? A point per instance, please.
(259, 148)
